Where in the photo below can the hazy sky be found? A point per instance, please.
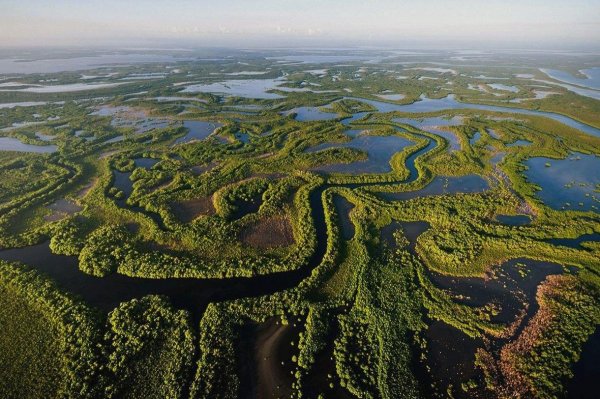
(279, 22)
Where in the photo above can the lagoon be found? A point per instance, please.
(13, 144)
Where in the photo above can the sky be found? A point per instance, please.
(241, 23)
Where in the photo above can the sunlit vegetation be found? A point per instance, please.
(49, 340)
(150, 349)
(242, 206)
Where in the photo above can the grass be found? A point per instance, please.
(30, 356)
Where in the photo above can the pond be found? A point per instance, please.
(511, 288)
(13, 144)
(123, 182)
(379, 149)
(503, 87)
(433, 124)
(127, 117)
(443, 185)
(476, 136)
(514, 220)
(198, 130)
(307, 114)
(568, 183)
(243, 137)
(391, 97)
(514, 282)
(451, 138)
(423, 123)
(410, 230)
(249, 88)
(519, 143)
(61, 209)
(354, 117)
(266, 366)
(44, 137)
(450, 354)
(146, 163)
(539, 95)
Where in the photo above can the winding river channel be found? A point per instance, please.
(195, 294)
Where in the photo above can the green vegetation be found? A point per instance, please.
(49, 340)
(262, 234)
(150, 350)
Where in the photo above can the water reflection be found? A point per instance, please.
(569, 183)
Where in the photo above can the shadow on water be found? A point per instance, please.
(245, 207)
(323, 377)
(185, 293)
(267, 369)
(411, 230)
(575, 242)
(585, 383)
(344, 207)
(106, 293)
(510, 289)
(451, 354)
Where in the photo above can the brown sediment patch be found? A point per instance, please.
(54, 217)
(161, 186)
(265, 155)
(223, 139)
(200, 169)
(188, 210)
(344, 207)
(508, 370)
(508, 380)
(107, 154)
(270, 232)
(86, 189)
(271, 176)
